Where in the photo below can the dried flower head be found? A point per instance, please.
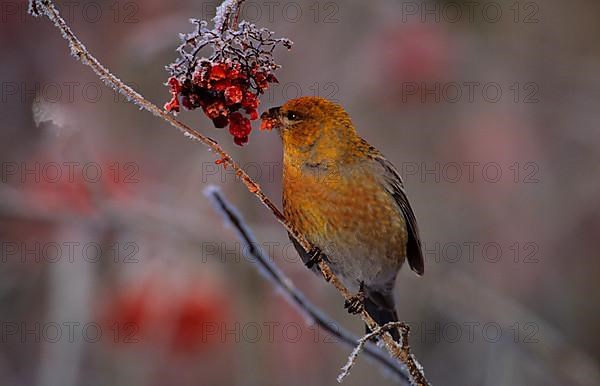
(227, 84)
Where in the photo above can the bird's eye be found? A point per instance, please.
(292, 116)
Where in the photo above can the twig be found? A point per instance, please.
(237, 13)
(291, 293)
(78, 50)
(365, 339)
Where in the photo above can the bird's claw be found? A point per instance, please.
(356, 304)
(314, 259)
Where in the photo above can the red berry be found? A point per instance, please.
(268, 124)
(204, 100)
(175, 89)
(239, 126)
(220, 122)
(218, 71)
(221, 85)
(215, 109)
(240, 141)
(233, 95)
(261, 80)
(186, 102)
(234, 72)
(253, 114)
(174, 85)
(172, 105)
(250, 101)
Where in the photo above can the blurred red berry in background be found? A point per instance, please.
(54, 186)
(415, 52)
(166, 314)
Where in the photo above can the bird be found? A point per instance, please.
(348, 201)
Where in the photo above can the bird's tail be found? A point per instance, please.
(381, 307)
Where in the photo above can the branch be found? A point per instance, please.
(79, 51)
(292, 294)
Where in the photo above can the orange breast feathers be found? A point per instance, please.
(343, 204)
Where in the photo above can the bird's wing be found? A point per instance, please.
(394, 185)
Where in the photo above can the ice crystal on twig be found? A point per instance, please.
(33, 8)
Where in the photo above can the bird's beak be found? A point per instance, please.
(272, 113)
(271, 119)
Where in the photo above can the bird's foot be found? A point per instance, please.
(356, 304)
(315, 258)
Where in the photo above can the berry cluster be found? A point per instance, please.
(227, 84)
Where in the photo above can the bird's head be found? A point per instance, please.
(308, 123)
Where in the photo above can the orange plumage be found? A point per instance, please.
(347, 200)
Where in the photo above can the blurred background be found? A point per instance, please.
(115, 269)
